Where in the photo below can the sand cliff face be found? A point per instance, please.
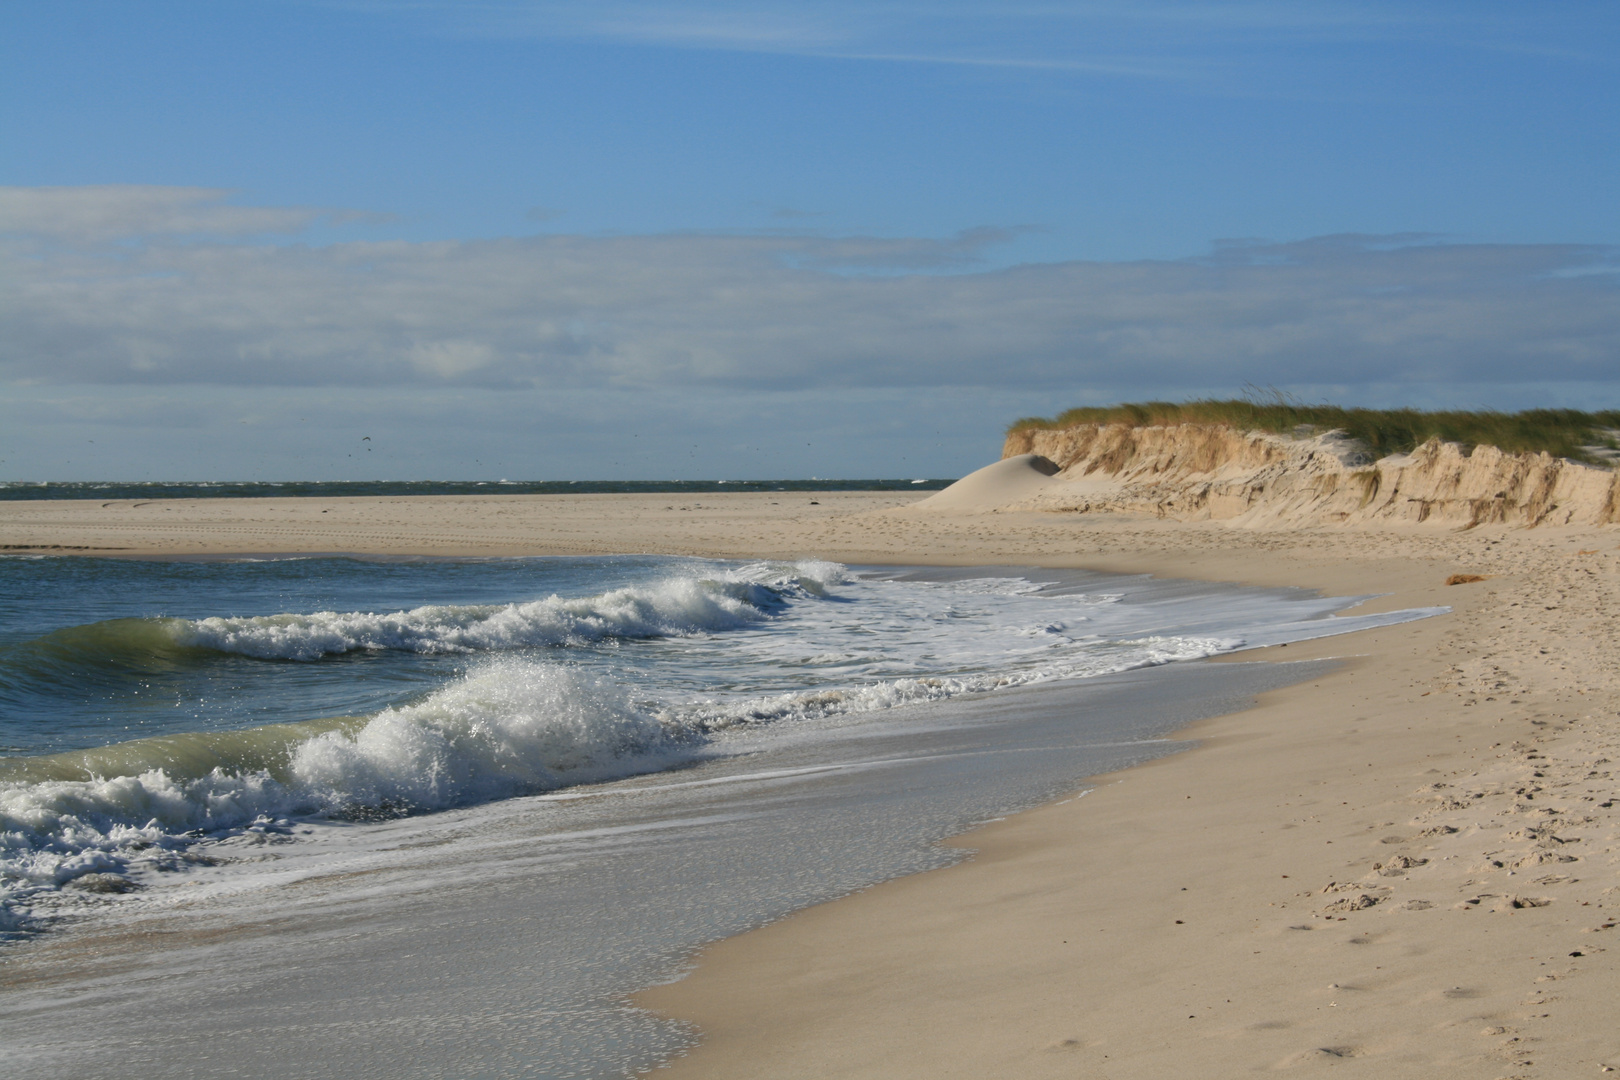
(1194, 472)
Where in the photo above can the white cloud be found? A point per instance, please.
(1158, 39)
(783, 312)
(118, 211)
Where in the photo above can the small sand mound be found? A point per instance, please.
(1009, 480)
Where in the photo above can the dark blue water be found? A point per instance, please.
(75, 673)
(17, 489)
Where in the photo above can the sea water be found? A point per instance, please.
(412, 817)
(339, 489)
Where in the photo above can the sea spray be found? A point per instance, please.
(511, 727)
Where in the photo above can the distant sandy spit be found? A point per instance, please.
(744, 524)
(1407, 868)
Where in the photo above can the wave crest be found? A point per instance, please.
(510, 727)
(676, 606)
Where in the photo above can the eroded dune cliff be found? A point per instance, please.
(1198, 472)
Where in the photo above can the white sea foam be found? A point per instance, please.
(709, 716)
(510, 727)
(678, 605)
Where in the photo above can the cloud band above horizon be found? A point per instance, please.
(159, 286)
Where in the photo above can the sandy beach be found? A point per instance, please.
(1403, 868)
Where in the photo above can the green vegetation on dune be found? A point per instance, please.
(1561, 432)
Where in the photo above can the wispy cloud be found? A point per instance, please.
(1141, 70)
(785, 311)
(95, 214)
(1144, 39)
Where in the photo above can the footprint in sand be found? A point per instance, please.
(1322, 1054)
(1067, 1046)
(1518, 903)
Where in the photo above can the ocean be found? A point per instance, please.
(412, 817)
(344, 489)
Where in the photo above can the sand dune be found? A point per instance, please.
(1192, 472)
(1015, 479)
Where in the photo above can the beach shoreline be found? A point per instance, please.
(1056, 950)
(1225, 909)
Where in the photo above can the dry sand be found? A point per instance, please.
(1404, 868)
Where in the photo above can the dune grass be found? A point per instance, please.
(1560, 432)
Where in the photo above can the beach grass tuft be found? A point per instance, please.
(1582, 436)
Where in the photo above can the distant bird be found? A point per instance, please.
(365, 438)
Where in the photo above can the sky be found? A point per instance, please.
(422, 239)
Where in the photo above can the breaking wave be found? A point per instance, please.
(512, 727)
(676, 606)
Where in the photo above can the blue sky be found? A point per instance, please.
(813, 239)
